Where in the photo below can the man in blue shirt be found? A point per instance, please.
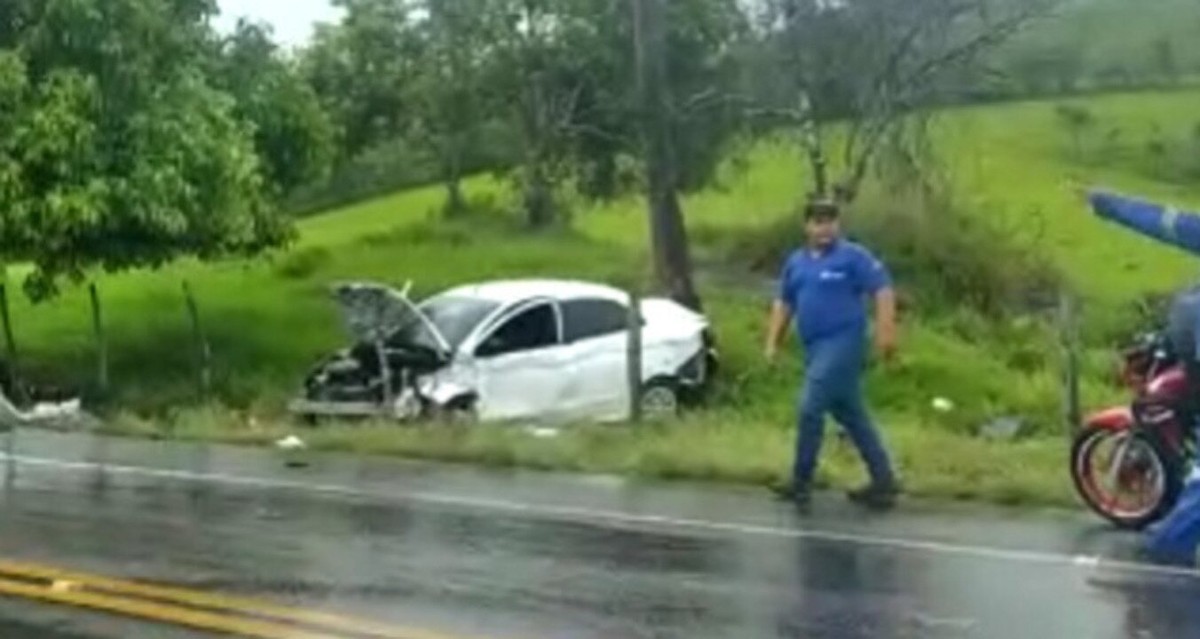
(823, 286)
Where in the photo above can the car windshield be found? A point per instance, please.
(453, 316)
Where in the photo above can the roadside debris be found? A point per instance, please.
(293, 451)
(291, 442)
(942, 405)
(64, 415)
(1002, 428)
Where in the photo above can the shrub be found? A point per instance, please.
(940, 254)
(302, 263)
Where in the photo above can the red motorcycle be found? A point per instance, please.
(1129, 462)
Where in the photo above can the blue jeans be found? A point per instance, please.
(833, 384)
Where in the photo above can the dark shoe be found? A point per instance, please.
(876, 497)
(801, 496)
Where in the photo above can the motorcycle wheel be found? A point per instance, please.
(1150, 472)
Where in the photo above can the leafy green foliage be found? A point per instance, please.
(451, 105)
(117, 151)
(544, 88)
(361, 69)
(292, 134)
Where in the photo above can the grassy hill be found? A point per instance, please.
(1008, 164)
(1088, 44)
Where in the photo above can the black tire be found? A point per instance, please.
(1084, 446)
(660, 400)
(460, 411)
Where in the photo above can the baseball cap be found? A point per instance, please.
(821, 210)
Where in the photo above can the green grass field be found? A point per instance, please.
(269, 319)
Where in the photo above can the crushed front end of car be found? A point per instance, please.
(384, 372)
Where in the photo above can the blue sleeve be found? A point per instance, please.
(873, 275)
(1162, 223)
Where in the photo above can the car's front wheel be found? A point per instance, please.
(659, 400)
(461, 411)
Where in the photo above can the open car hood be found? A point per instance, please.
(373, 312)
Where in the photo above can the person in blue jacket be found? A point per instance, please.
(1176, 538)
(823, 286)
(1182, 230)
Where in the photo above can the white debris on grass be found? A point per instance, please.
(291, 442)
(543, 432)
(942, 405)
(48, 410)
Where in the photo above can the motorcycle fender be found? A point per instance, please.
(1114, 418)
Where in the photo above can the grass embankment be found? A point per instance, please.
(268, 320)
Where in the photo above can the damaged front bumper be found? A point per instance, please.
(430, 395)
(406, 406)
(698, 371)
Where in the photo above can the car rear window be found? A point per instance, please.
(588, 318)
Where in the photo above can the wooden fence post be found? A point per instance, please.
(633, 357)
(1069, 335)
(101, 341)
(10, 343)
(10, 347)
(203, 351)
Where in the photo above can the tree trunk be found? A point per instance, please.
(539, 200)
(811, 140)
(668, 235)
(456, 203)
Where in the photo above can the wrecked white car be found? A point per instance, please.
(534, 350)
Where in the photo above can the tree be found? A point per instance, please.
(872, 64)
(668, 234)
(685, 59)
(293, 135)
(117, 151)
(540, 50)
(449, 94)
(699, 85)
(362, 67)
(1165, 61)
(1078, 121)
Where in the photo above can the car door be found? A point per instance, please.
(522, 367)
(596, 333)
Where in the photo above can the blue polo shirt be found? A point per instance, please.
(826, 290)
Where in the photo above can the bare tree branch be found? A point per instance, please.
(872, 63)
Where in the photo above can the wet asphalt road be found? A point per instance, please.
(495, 555)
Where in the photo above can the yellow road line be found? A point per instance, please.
(173, 615)
(219, 603)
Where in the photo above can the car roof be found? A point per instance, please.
(516, 290)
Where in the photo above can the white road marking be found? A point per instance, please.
(611, 517)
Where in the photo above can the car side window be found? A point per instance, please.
(531, 329)
(588, 318)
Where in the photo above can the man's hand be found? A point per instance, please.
(885, 342)
(1078, 188)
(771, 354)
(885, 323)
